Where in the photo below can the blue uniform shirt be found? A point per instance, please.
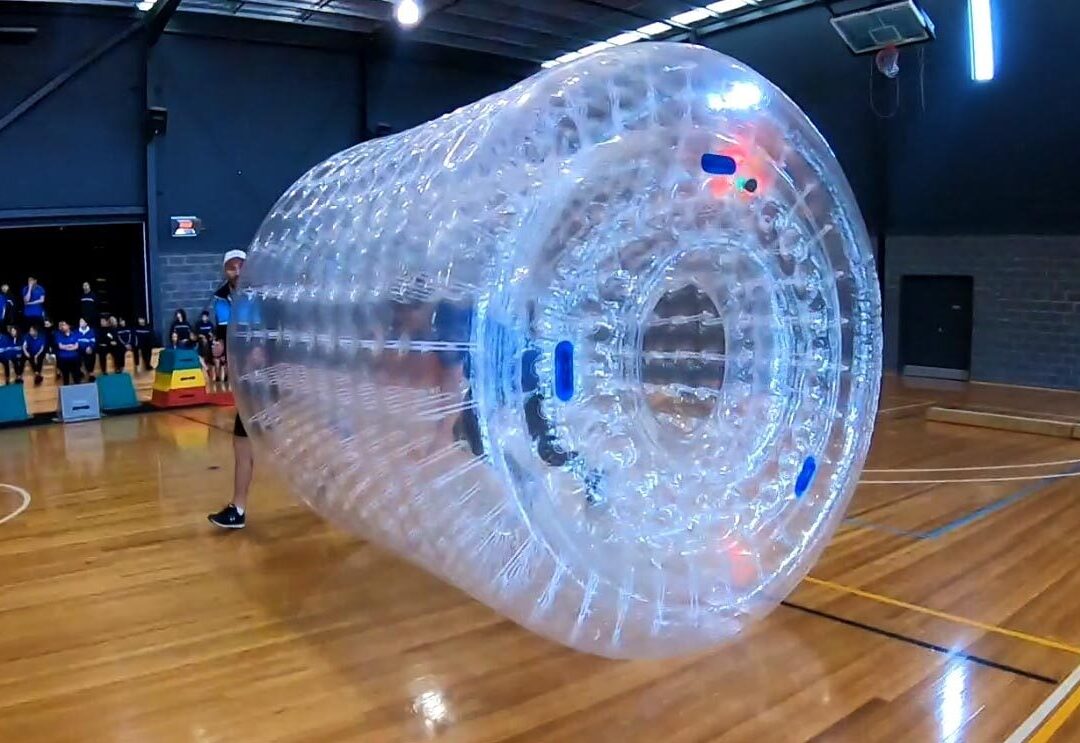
(67, 339)
(86, 338)
(10, 348)
(34, 310)
(33, 345)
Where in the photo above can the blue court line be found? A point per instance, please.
(967, 519)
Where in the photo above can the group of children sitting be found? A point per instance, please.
(76, 350)
(204, 338)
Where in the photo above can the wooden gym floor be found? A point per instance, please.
(947, 608)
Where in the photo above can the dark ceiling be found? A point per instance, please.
(531, 30)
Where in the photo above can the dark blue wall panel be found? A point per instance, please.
(993, 157)
(82, 146)
(245, 120)
(404, 91)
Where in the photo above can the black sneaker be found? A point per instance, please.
(227, 518)
(38, 379)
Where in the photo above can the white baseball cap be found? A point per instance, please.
(234, 254)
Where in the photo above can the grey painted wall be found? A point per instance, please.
(1027, 302)
(186, 280)
(403, 92)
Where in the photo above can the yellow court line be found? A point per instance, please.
(1043, 641)
(1052, 725)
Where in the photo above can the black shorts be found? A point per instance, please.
(238, 428)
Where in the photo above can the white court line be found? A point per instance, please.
(1058, 463)
(1032, 723)
(25, 501)
(905, 407)
(1054, 476)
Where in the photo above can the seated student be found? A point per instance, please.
(204, 336)
(34, 353)
(205, 327)
(105, 341)
(116, 346)
(11, 354)
(144, 344)
(174, 340)
(87, 339)
(182, 329)
(67, 354)
(126, 339)
(219, 369)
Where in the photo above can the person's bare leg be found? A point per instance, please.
(244, 469)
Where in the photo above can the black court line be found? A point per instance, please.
(923, 644)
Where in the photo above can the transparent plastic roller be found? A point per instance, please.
(602, 350)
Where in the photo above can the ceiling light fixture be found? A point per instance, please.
(652, 29)
(726, 6)
(594, 48)
(626, 38)
(691, 16)
(407, 13)
(649, 30)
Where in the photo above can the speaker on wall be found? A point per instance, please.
(157, 120)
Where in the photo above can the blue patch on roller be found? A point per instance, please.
(564, 370)
(717, 164)
(806, 476)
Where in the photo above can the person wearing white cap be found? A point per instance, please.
(232, 264)
(233, 515)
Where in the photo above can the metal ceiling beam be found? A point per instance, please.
(542, 41)
(749, 16)
(76, 67)
(373, 10)
(327, 17)
(574, 13)
(635, 14)
(476, 44)
(157, 18)
(531, 20)
(448, 29)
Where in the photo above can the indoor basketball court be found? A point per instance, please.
(896, 563)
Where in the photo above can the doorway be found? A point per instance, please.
(111, 257)
(936, 319)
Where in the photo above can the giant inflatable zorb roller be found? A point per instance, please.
(602, 350)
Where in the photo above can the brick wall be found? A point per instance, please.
(186, 281)
(1027, 302)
